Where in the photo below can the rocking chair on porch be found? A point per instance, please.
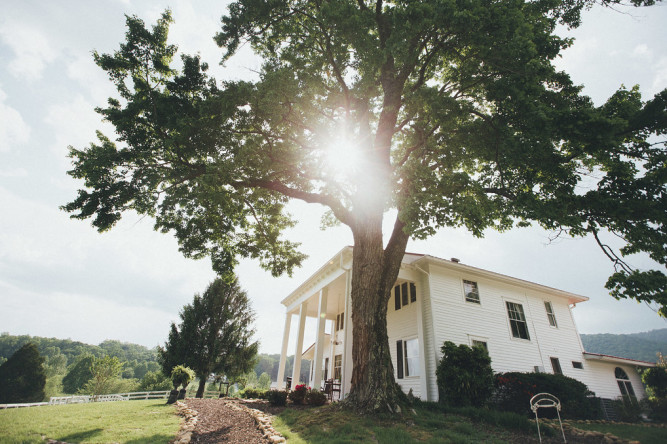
(332, 386)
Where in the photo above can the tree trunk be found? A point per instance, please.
(374, 272)
(202, 386)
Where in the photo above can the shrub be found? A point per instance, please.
(315, 397)
(658, 409)
(181, 376)
(464, 375)
(629, 410)
(252, 393)
(277, 397)
(298, 394)
(514, 390)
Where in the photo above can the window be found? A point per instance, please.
(407, 358)
(483, 344)
(338, 361)
(577, 364)
(471, 291)
(340, 320)
(624, 384)
(555, 364)
(550, 314)
(404, 294)
(517, 320)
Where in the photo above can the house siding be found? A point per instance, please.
(402, 325)
(459, 321)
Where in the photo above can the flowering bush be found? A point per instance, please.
(315, 397)
(298, 395)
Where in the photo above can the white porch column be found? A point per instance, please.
(347, 337)
(319, 341)
(423, 382)
(283, 352)
(299, 344)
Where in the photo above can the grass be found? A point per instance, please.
(133, 422)
(329, 424)
(645, 435)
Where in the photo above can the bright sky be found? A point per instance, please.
(60, 278)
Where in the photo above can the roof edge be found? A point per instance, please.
(618, 359)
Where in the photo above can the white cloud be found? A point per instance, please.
(80, 317)
(13, 129)
(74, 123)
(14, 172)
(660, 75)
(642, 50)
(32, 50)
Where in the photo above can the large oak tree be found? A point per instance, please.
(450, 112)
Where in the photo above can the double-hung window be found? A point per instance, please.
(407, 358)
(471, 291)
(550, 314)
(518, 322)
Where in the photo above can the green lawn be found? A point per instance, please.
(645, 435)
(149, 421)
(332, 426)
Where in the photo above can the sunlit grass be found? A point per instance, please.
(149, 421)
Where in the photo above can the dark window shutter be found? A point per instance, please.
(399, 359)
(413, 292)
(397, 297)
(404, 291)
(342, 320)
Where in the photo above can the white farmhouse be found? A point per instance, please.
(525, 327)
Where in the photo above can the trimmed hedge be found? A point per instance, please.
(253, 393)
(513, 392)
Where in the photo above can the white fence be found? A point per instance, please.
(106, 398)
(79, 399)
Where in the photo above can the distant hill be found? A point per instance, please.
(642, 346)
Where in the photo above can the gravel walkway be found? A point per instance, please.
(218, 422)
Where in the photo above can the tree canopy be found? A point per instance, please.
(214, 336)
(449, 112)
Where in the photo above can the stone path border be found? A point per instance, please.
(263, 420)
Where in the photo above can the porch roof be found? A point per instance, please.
(616, 359)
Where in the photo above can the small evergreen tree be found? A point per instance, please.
(464, 375)
(214, 335)
(22, 377)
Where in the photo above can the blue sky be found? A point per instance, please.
(60, 278)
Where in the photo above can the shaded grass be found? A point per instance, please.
(150, 421)
(646, 435)
(330, 424)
